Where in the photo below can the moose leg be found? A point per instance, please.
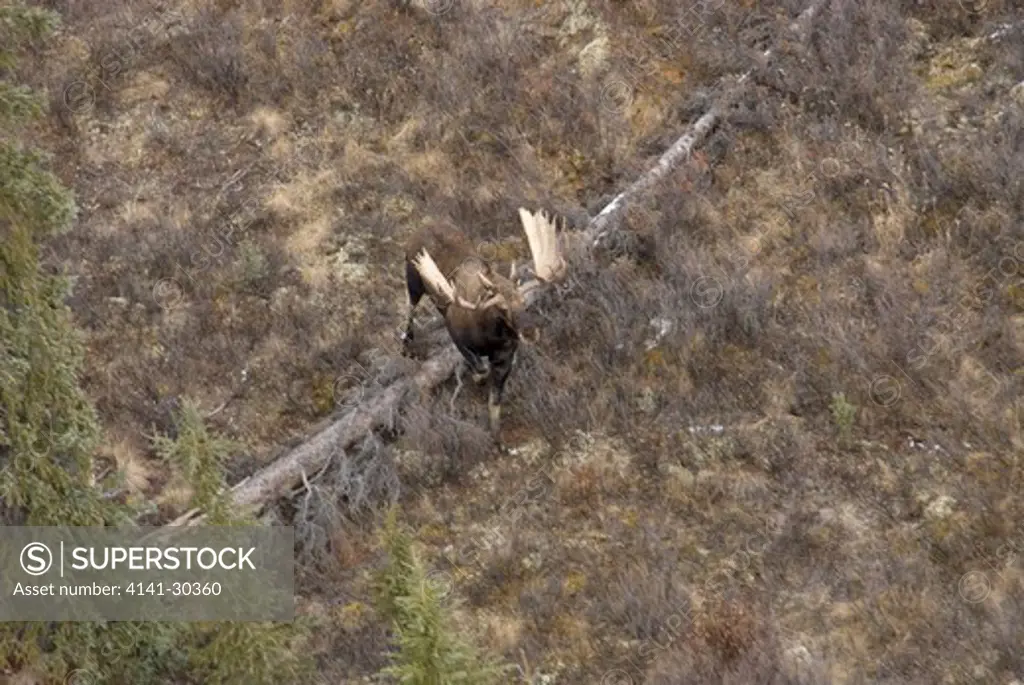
(501, 367)
(480, 376)
(477, 368)
(477, 365)
(416, 288)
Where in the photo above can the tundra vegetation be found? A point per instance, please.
(770, 431)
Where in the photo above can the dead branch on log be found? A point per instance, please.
(280, 477)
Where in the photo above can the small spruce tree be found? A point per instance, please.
(430, 652)
(197, 458)
(49, 432)
(48, 428)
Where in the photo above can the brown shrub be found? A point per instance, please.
(211, 53)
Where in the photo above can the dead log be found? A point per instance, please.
(280, 477)
(605, 222)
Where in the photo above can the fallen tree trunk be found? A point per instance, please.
(281, 476)
(278, 478)
(607, 219)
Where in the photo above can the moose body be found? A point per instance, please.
(483, 310)
(459, 263)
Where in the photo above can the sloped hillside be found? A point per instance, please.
(772, 434)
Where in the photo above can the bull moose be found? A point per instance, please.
(484, 311)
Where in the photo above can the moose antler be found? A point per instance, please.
(548, 262)
(431, 274)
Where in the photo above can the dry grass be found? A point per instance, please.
(680, 508)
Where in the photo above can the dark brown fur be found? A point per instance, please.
(490, 334)
(460, 264)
